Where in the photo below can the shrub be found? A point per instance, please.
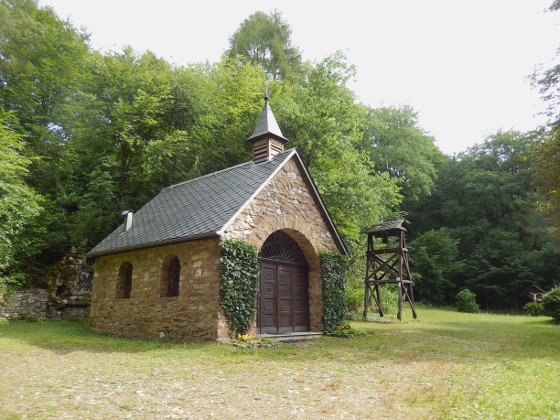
(10, 283)
(354, 291)
(551, 303)
(389, 295)
(466, 302)
(533, 308)
(345, 330)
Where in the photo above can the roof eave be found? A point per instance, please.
(267, 135)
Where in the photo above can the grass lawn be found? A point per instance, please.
(445, 365)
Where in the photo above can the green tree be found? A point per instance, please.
(434, 255)
(125, 108)
(40, 74)
(265, 40)
(547, 159)
(398, 146)
(143, 125)
(20, 205)
(547, 176)
(484, 198)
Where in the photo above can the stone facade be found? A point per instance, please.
(286, 203)
(146, 314)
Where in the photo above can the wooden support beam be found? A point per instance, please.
(390, 250)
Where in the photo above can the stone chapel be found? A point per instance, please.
(157, 274)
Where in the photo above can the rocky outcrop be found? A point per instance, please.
(69, 283)
(68, 294)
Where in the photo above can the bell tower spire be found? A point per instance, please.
(267, 139)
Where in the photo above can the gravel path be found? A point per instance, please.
(39, 382)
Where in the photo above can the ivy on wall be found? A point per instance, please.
(239, 283)
(333, 273)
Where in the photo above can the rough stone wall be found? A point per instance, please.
(191, 315)
(69, 311)
(287, 204)
(25, 304)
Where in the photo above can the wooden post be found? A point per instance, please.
(366, 301)
(399, 288)
(378, 300)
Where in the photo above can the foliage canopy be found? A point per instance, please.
(85, 135)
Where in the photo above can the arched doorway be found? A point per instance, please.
(284, 296)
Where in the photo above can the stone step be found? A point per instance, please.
(292, 337)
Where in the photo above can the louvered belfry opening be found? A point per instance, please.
(265, 149)
(267, 138)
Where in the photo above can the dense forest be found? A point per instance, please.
(85, 135)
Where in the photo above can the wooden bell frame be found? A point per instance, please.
(388, 265)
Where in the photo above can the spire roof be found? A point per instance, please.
(267, 125)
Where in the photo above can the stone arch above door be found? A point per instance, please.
(280, 247)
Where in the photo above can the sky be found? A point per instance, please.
(464, 66)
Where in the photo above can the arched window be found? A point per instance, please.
(124, 281)
(170, 277)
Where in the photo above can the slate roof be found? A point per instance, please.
(198, 208)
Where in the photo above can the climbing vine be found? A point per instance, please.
(239, 283)
(333, 269)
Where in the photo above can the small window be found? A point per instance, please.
(124, 281)
(170, 277)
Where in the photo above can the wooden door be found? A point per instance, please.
(285, 291)
(301, 299)
(267, 319)
(284, 300)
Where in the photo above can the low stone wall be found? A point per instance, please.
(75, 307)
(39, 304)
(24, 304)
